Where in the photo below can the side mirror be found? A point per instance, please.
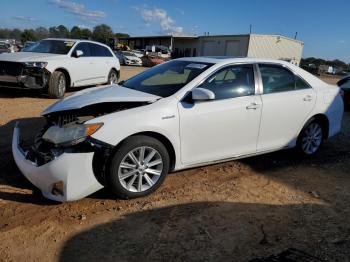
(202, 94)
(78, 53)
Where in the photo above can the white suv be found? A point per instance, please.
(57, 64)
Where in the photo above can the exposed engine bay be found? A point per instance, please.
(44, 150)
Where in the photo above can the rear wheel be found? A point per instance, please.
(138, 167)
(311, 138)
(57, 85)
(113, 77)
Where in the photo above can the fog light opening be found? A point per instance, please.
(57, 188)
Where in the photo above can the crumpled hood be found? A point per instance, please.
(28, 57)
(97, 95)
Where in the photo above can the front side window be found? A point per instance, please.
(51, 46)
(231, 82)
(277, 79)
(166, 79)
(85, 48)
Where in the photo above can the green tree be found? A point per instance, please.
(118, 35)
(41, 33)
(63, 32)
(53, 32)
(28, 35)
(102, 32)
(15, 34)
(75, 32)
(86, 33)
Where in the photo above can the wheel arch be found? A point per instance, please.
(118, 71)
(162, 138)
(322, 119)
(66, 74)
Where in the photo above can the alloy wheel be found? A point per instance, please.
(312, 138)
(140, 169)
(61, 85)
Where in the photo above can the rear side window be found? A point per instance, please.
(279, 79)
(100, 51)
(231, 82)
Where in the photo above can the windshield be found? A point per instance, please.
(51, 46)
(168, 78)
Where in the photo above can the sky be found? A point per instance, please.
(322, 25)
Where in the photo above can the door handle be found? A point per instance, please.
(252, 106)
(307, 98)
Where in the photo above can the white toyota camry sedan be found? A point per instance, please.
(184, 113)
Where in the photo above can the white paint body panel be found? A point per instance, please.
(199, 133)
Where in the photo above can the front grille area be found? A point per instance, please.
(63, 120)
(11, 68)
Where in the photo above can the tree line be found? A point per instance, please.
(100, 33)
(319, 61)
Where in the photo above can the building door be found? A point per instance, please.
(232, 48)
(208, 48)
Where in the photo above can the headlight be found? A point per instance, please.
(36, 64)
(71, 135)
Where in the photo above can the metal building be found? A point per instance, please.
(249, 45)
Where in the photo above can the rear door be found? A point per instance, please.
(103, 62)
(287, 102)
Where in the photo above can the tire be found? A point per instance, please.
(311, 138)
(57, 85)
(113, 77)
(128, 177)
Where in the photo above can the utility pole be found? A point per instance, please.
(250, 29)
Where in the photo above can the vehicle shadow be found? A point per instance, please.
(212, 231)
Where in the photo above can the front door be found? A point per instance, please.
(225, 127)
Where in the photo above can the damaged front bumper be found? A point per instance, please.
(67, 177)
(16, 75)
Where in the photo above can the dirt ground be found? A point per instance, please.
(235, 211)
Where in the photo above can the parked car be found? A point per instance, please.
(5, 48)
(150, 61)
(54, 65)
(131, 59)
(184, 113)
(138, 53)
(344, 84)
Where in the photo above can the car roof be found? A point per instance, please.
(230, 59)
(75, 40)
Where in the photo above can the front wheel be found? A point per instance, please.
(311, 138)
(138, 167)
(57, 85)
